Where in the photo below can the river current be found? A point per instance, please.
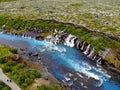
(67, 64)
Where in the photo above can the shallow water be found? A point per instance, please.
(67, 64)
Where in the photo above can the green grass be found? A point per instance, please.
(96, 15)
(19, 24)
(77, 4)
(100, 44)
(3, 51)
(7, 0)
(45, 87)
(3, 86)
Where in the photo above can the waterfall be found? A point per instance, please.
(94, 57)
(55, 39)
(99, 60)
(52, 38)
(83, 45)
(55, 31)
(1, 32)
(72, 42)
(69, 41)
(23, 35)
(91, 54)
(87, 49)
(78, 44)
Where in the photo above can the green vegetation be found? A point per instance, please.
(13, 50)
(103, 15)
(3, 86)
(3, 51)
(77, 4)
(44, 87)
(19, 72)
(99, 42)
(6, 0)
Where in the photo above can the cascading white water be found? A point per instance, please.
(99, 60)
(83, 45)
(94, 57)
(70, 61)
(1, 32)
(78, 45)
(69, 41)
(87, 49)
(91, 54)
(72, 42)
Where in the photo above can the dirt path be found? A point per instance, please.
(12, 84)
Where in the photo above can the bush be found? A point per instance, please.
(2, 61)
(6, 0)
(13, 50)
(3, 86)
(44, 87)
(28, 81)
(6, 69)
(36, 73)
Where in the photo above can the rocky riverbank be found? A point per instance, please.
(63, 38)
(59, 39)
(34, 59)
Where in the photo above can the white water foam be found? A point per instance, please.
(83, 46)
(69, 41)
(91, 53)
(86, 51)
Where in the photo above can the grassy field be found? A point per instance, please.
(3, 86)
(103, 15)
(6, 0)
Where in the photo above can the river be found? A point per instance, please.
(67, 64)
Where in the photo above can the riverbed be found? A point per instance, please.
(67, 64)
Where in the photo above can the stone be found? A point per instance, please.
(23, 49)
(30, 53)
(39, 58)
(35, 54)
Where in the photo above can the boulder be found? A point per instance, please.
(39, 58)
(35, 54)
